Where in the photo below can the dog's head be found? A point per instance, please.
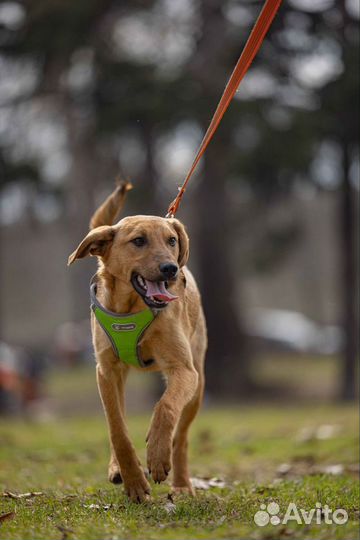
(146, 251)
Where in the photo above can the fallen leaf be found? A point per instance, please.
(327, 431)
(8, 515)
(169, 507)
(22, 495)
(199, 483)
(323, 432)
(335, 470)
(284, 469)
(202, 483)
(98, 506)
(216, 482)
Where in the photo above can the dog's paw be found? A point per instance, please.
(183, 490)
(115, 476)
(158, 459)
(137, 488)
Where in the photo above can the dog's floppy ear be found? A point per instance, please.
(97, 242)
(183, 242)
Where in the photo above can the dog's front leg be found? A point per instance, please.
(135, 483)
(182, 382)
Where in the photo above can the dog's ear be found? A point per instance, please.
(97, 242)
(183, 242)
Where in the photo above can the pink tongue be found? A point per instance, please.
(159, 291)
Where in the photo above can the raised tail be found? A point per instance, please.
(108, 213)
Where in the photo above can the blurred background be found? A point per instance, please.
(96, 88)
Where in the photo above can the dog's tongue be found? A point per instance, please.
(159, 291)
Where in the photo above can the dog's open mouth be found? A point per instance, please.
(154, 293)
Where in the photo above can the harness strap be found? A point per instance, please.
(123, 330)
(251, 48)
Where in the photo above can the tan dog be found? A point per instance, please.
(137, 256)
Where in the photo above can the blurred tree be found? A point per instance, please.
(343, 128)
(227, 368)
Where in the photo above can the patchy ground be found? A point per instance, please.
(53, 477)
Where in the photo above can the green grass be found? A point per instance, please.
(67, 460)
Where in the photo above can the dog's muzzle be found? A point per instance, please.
(154, 293)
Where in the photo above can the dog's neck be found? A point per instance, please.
(117, 295)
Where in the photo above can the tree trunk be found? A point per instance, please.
(84, 179)
(349, 282)
(227, 358)
(150, 182)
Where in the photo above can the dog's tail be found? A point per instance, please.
(109, 211)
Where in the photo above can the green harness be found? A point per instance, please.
(123, 330)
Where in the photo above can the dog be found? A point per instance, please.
(141, 265)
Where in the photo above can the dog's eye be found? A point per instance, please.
(172, 241)
(139, 241)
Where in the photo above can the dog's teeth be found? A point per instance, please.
(141, 282)
(156, 301)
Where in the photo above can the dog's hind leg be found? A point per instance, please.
(181, 479)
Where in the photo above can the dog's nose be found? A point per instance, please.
(168, 270)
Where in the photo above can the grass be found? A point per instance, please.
(262, 453)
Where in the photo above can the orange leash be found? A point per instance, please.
(251, 48)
